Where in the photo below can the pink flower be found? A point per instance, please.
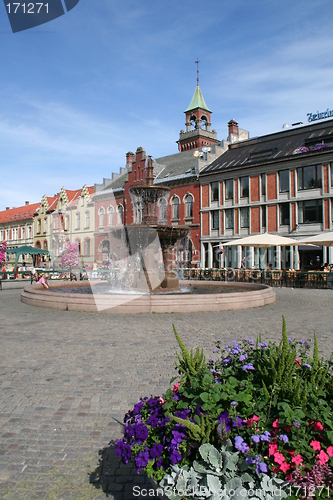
(273, 448)
(298, 362)
(255, 418)
(330, 451)
(284, 467)
(318, 426)
(297, 459)
(276, 424)
(250, 421)
(315, 445)
(279, 458)
(176, 387)
(322, 457)
(161, 400)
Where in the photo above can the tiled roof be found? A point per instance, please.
(18, 213)
(277, 147)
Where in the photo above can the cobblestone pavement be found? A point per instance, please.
(67, 378)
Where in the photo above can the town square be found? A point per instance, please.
(166, 250)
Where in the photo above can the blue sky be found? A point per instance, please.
(79, 92)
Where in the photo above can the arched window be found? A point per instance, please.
(45, 245)
(87, 220)
(120, 214)
(78, 220)
(78, 241)
(87, 247)
(105, 250)
(101, 214)
(110, 216)
(189, 205)
(175, 207)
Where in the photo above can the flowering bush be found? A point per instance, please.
(70, 256)
(267, 405)
(3, 248)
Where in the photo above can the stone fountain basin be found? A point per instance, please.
(252, 295)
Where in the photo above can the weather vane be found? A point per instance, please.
(197, 63)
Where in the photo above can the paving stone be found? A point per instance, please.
(68, 378)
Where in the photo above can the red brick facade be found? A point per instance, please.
(254, 188)
(271, 188)
(255, 220)
(271, 218)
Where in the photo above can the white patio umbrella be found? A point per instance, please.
(264, 240)
(325, 239)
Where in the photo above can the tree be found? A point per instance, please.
(70, 257)
(3, 248)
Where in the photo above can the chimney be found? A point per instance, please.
(7, 208)
(129, 158)
(233, 128)
(26, 203)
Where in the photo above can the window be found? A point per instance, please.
(110, 216)
(45, 225)
(244, 216)
(229, 219)
(163, 210)
(263, 217)
(87, 247)
(214, 191)
(229, 189)
(215, 220)
(310, 211)
(284, 214)
(263, 184)
(120, 214)
(101, 217)
(331, 174)
(82, 201)
(87, 220)
(38, 226)
(244, 187)
(189, 205)
(309, 177)
(77, 221)
(66, 223)
(175, 208)
(284, 181)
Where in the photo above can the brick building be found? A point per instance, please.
(280, 183)
(16, 225)
(197, 147)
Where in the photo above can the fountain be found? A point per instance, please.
(151, 244)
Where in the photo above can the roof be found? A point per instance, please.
(306, 141)
(176, 166)
(197, 101)
(18, 213)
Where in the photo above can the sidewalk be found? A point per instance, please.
(66, 378)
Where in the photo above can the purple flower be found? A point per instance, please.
(262, 344)
(141, 433)
(215, 350)
(141, 459)
(262, 467)
(212, 371)
(217, 380)
(242, 357)
(156, 450)
(211, 361)
(255, 438)
(241, 445)
(307, 365)
(175, 456)
(296, 423)
(266, 436)
(124, 450)
(283, 437)
(233, 403)
(238, 422)
(226, 360)
(183, 414)
(248, 367)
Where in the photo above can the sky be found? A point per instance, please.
(79, 92)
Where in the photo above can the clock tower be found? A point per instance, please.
(198, 133)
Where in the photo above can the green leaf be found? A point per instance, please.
(204, 397)
(213, 483)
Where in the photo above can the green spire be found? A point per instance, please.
(198, 101)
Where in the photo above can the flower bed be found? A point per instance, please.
(254, 422)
